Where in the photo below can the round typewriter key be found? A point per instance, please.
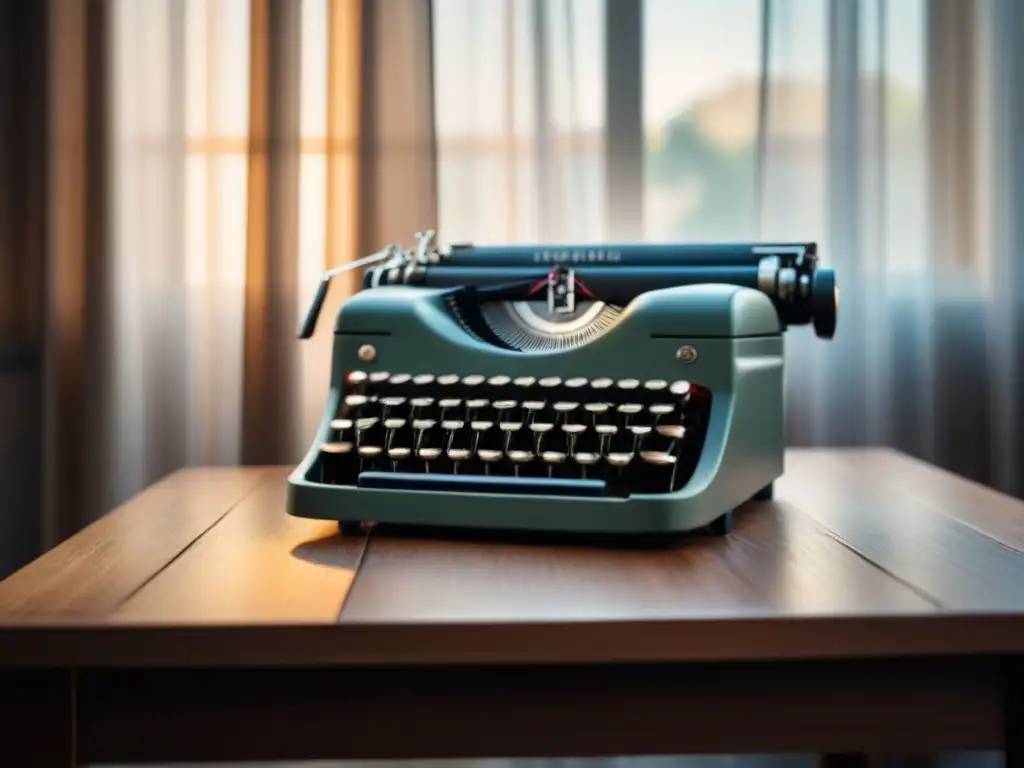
(473, 380)
(659, 458)
(421, 402)
(519, 457)
(639, 430)
(673, 431)
(423, 378)
(369, 451)
(629, 383)
(429, 454)
(459, 454)
(606, 429)
(655, 385)
(399, 378)
(534, 405)
(619, 459)
(586, 459)
(597, 407)
(510, 426)
(504, 405)
(576, 383)
(601, 383)
(452, 426)
(478, 403)
(481, 426)
(356, 400)
(448, 379)
(565, 407)
(574, 429)
(630, 408)
(499, 381)
(541, 427)
(525, 381)
(552, 459)
(394, 423)
(489, 456)
(364, 424)
(341, 424)
(356, 377)
(378, 376)
(337, 448)
(680, 388)
(399, 453)
(423, 424)
(660, 409)
(550, 381)
(450, 403)
(392, 402)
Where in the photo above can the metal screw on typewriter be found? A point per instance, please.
(546, 387)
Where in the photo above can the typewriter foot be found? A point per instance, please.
(721, 526)
(350, 527)
(765, 494)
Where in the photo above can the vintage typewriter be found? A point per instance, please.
(603, 389)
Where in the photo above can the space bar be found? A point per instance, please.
(440, 483)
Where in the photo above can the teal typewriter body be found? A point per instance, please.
(521, 400)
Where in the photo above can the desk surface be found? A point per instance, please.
(863, 553)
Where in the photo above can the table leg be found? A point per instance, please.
(37, 718)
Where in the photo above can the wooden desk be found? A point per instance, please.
(877, 605)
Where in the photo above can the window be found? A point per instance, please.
(726, 153)
(520, 113)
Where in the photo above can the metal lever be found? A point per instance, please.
(313, 314)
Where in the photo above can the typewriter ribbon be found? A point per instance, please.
(546, 387)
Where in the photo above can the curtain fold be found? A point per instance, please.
(397, 146)
(206, 160)
(76, 272)
(272, 238)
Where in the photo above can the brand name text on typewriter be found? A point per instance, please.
(624, 388)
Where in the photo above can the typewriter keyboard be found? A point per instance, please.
(635, 437)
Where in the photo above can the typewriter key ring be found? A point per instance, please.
(488, 457)
(586, 460)
(518, 458)
(638, 434)
(397, 455)
(551, 458)
(428, 455)
(457, 455)
(620, 461)
(605, 431)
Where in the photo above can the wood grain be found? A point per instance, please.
(842, 564)
(258, 566)
(777, 563)
(93, 572)
(987, 511)
(926, 545)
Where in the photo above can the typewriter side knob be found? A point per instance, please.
(824, 303)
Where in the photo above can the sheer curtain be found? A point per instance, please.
(208, 159)
(881, 129)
